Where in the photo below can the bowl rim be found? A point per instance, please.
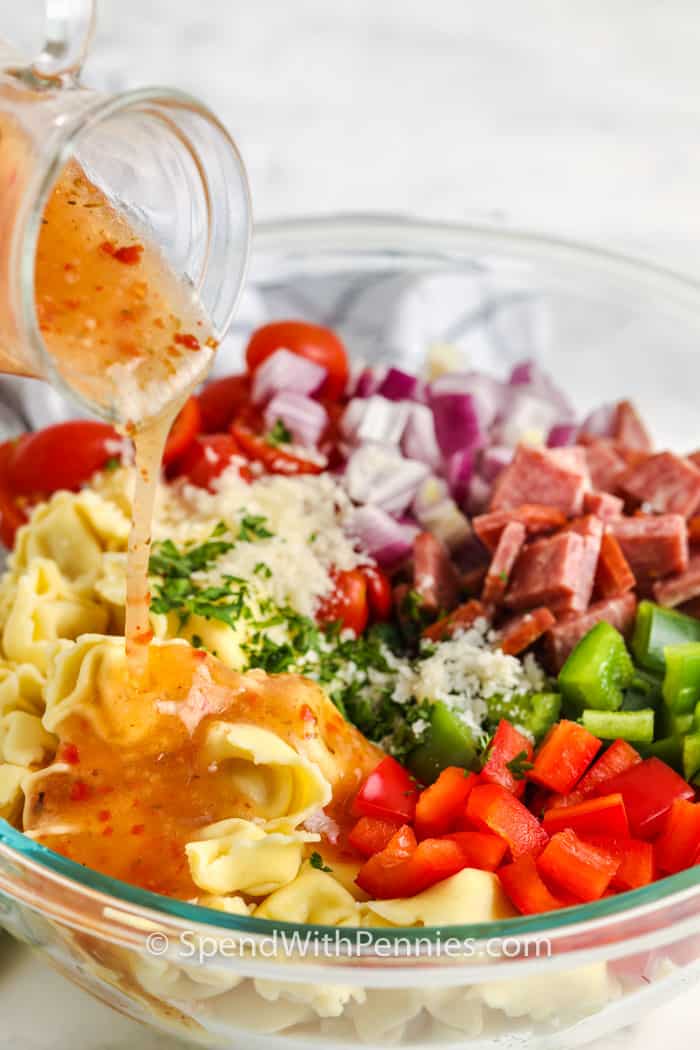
(388, 233)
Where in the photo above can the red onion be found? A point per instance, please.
(380, 475)
(369, 381)
(460, 468)
(398, 385)
(419, 441)
(479, 495)
(304, 418)
(494, 460)
(375, 419)
(561, 435)
(385, 539)
(599, 423)
(489, 396)
(286, 372)
(457, 423)
(529, 374)
(439, 514)
(525, 412)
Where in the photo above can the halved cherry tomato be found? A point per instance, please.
(207, 457)
(379, 595)
(62, 456)
(347, 604)
(12, 514)
(388, 793)
(222, 401)
(311, 341)
(183, 431)
(275, 460)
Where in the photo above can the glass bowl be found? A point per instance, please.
(605, 327)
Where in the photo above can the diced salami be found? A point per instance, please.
(655, 546)
(435, 578)
(565, 635)
(520, 632)
(591, 529)
(694, 531)
(628, 428)
(603, 504)
(694, 457)
(613, 574)
(681, 588)
(460, 619)
(537, 519)
(574, 458)
(605, 465)
(665, 483)
(537, 476)
(547, 572)
(473, 580)
(498, 576)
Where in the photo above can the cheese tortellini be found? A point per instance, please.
(470, 896)
(314, 896)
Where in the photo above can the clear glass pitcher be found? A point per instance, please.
(160, 158)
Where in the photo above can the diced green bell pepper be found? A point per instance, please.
(448, 742)
(668, 748)
(656, 628)
(691, 756)
(634, 726)
(544, 712)
(672, 724)
(597, 670)
(682, 680)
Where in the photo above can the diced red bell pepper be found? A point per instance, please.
(649, 790)
(399, 871)
(494, 808)
(594, 816)
(616, 759)
(564, 756)
(370, 836)
(678, 844)
(439, 806)
(507, 744)
(576, 867)
(481, 848)
(388, 793)
(526, 889)
(637, 867)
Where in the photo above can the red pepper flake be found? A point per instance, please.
(130, 254)
(104, 815)
(79, 791)
(69, 753)
(108, 247)
(188, 340)
(138, 829)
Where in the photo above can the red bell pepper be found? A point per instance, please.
(637, 867)
(564, 756)
(388, 793)
(370, 836)
(508, 744)
(440, 805)
(649, 790)
(619, 757)
(525, 888)
(494, 808)
(575, 867)
(678, 844)
(594, 816)
(481, 848)
(404, 869)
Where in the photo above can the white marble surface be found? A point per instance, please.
(579, 118)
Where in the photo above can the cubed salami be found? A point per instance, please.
(665, 483)
(590, 529)
(537, 519)
(694, 531)
(681, 588)
(613, 574)
(655, 546)
(604, 505)
(460, 619)
(498, 576)
(628, 428)
(435, 578)
(605, 465)
(537, 476)
(520, 632)
(547, 571)
(565, 635)
(694, 457)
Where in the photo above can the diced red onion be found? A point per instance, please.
(380, 475)
(369, 381)
(479, 495)
(388, 541)
(460, 468)
(446, 521)
(525, 413)
(458, 425)
(398, 385)
(529, 374)
(490, 397)
(562, 435)
(375, 419)
(600, 422)
(494, 460)
(285, 371)
(419, 440)
(305, 418)
(430, 492)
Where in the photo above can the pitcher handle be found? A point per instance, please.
(70, 27)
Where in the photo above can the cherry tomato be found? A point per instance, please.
(347, 604)
(207, 457)
(12, 515)
(183, 431)
(311, 341)
(62, 456)
(275, 460)
(379, 596)
(222, 401)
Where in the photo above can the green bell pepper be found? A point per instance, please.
(448, 742)
(668, 748)
(634, 726)
(597, 670)
(655, 629)
(682, 680)
(691, 756)
(544, 712)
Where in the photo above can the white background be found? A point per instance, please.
(576, 117)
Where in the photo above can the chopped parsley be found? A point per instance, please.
(316, 861)
(253, 527)
(112, 464)
(263, 570)
(520, 765)
(279, 435)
